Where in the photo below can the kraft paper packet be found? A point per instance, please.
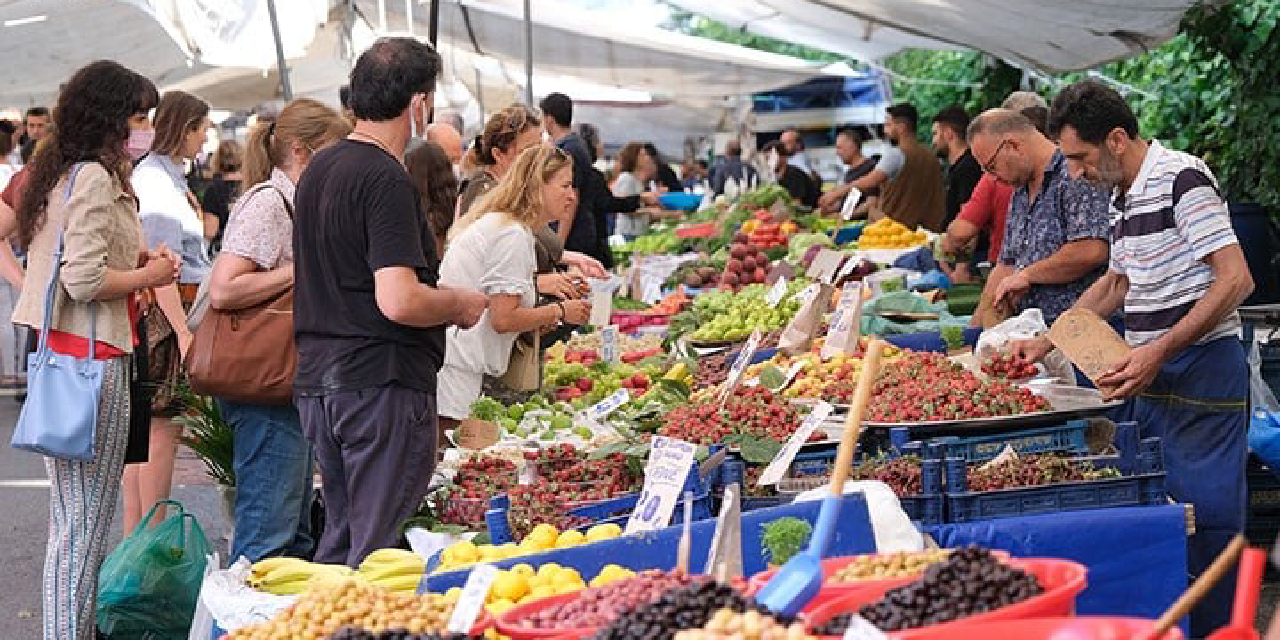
(1088, 342)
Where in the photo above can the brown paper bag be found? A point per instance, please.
(802, 329)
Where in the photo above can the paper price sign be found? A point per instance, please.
(808, 293)
(652, 291)
(860, 629)
(776, 293)
(850, 203)
(669, 463)
(740, 365)
(609, 343)
(825, 265)
(472, 598)
(781, 462)
(846, 322)
(601, 410)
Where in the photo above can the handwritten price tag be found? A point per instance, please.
(776, 293)
(669, 463)
(601, 410)
(740, 365)
(474, 593)
(609, 343)
(781, 462)
(843, 336)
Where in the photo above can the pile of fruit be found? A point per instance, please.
(747, 264)
(395, 570)
(752, 411)
(886, 233)
(464, 553)
(728, 317)
(1033, 471)
(326, 608)
(762, 231)
(671, 304)
(687, 608)
(479, 478)
(925, 387)
(889, 566)
(536, 419)
(969, 582)
(902, 474)
(730, 624)
(582, 385)
(522, 584)
(712, 370)
(580, 343)
(1009, 367)
(599, 605)
(356, 633)
(832, 380)
(551, 503)
(698, 274)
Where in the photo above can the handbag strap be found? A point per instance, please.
(262, 186)
(51, 290)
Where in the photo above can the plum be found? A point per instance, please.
(733, 266)
(749, 263)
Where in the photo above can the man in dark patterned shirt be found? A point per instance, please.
(1055, 242)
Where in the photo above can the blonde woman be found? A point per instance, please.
(273, 461)
(492, 249)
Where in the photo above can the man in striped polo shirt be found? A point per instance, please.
(1179, 273)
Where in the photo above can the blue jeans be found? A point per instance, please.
(273, 465)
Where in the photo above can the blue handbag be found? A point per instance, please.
(60, 416)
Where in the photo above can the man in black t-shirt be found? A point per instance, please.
(368, 317)
(964, 172)
(586, 233)
(795, 181)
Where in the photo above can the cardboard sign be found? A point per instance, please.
(474, 593)
(846, 323)
(669, 463)
(609, 343)
(782, 461)
(477, 434)
(776, 293)
(1088, 342)
(824, 266)
(740, 365)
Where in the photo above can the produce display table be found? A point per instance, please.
(1137, 556)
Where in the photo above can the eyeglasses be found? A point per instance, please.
(989, 166)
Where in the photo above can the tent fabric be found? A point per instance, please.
(1048, 35)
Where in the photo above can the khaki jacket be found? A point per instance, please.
(102, 233)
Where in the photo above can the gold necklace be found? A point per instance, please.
(376, 142)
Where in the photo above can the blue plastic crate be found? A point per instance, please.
(751, 503)
(848, 234)
(1067, 438)
(759, 356)
(925, 509)
(1145, 487)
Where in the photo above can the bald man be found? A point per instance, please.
(448, 138)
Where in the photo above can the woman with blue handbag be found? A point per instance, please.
(86, 265)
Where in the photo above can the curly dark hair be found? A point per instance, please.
(389, 74)
(502, 129)
(432, 174)
(91, 124)
(1094, 110)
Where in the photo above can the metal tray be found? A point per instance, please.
(1068, 402)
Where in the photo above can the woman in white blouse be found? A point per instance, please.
(491, 249)
(635, 169)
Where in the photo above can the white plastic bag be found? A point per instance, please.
(893, 529)
(1029, 324)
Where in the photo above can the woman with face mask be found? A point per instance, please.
(272, 456)
(79, 190)
(171, 220)
(491, 249)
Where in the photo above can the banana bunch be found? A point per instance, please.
(393, 569)
(289, 576)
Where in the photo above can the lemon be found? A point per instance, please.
(544, 532)
(545, 591)
(569, 587)
(500, 606)
(569, 538)
(464, 551)
(490, 552)
(509, 550)
(528, 547)
(549, 570)
(509, 586)
(524, 570)
(603, 532)
(453, 593)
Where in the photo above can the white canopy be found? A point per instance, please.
(1049, 35)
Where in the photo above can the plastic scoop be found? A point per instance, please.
(800, 579)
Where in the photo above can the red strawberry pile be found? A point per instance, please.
(927, 387)
(1009, 367)
(549, 503)
(697, 423)
(478, 479)
(901, 474)
(554, 458)
(610, 473)
(1032, 471)
(754, 411)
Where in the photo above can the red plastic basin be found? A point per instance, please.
(1062, 581)
(509, 623)
(1084, 628)
(831, 591)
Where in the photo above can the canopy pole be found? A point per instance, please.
(285, 89)
(528, 54)
(433, 25)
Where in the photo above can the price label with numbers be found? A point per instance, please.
(781, 462)
(472, 598)
(669, 463)
(740, 365)
(609, 343)
(776, 293)
(601, 410)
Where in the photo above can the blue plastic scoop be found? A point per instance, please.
(798, 581)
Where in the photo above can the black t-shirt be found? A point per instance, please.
(357, 212)
(216, 199)
(583, 235)
(962, 178)
(867, 166)
(799, 185)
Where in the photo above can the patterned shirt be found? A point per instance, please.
(260, 227)
(1171, 218)
(1066, 210)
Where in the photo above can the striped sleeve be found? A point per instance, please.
(1200, 213)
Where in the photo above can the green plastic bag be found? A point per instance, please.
(149, 585)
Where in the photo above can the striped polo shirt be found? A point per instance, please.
(1161, 230)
